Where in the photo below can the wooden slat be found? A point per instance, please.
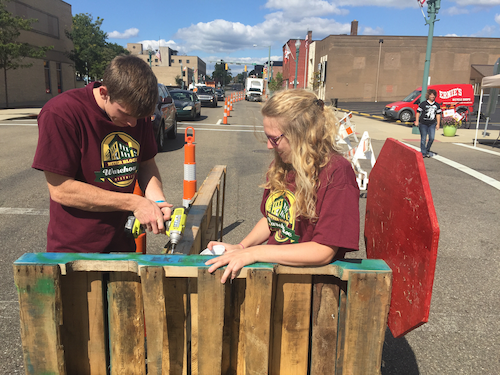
(176, 295)
(83, 329)
(155, 318)
(291, 315)
(40, 308)
(192, 324)
(126, 324)
(191, 242)
(324, 314)
(237, 326)
(259, 297)
(368, 298)
(340, 355)
(211, 297)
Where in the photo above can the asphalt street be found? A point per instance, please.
(461, 335)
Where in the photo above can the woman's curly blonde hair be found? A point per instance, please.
(310, 128)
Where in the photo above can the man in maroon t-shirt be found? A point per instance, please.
(94, 144)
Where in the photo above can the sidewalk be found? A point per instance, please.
(18, 113)
(381, 130)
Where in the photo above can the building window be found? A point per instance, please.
(180, 61)
(172, 61)
(47, 77)
(187, 61)
(59, 77)
(156, 60)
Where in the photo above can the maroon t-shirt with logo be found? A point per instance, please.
(78, 140)
(337, 209)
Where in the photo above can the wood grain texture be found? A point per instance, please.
(258, 306)
(126, 324)
(291, 323)
(40, 308)
(325, 315)
(368, 299)
(211, 298)
(83, 329)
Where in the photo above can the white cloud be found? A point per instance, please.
(129, 33)
(487, 3)
(225, 37)
(296, 9)
(497, 18)
(455, 11)
(373, 31)
(487, 31)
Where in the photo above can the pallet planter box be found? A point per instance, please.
(138, 314)
(165, 314)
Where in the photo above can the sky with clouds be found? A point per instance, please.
(242, 31)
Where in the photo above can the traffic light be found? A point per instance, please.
(245, 68)
(226, 66)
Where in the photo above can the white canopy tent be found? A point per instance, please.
(487, 82)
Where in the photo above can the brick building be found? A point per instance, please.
(387, 68)
(47, 77)
(168, 65)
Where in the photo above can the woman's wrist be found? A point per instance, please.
(242, 246)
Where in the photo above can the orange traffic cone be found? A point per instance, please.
(189, 169)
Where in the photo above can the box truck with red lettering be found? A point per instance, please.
(459, 97)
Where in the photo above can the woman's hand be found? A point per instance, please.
(227, 246)
(234, 260)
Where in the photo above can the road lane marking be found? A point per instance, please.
(23, 211)
(471, 172)
(219, 122)
(478, 149)
(16, 124)
(226, 130)
(202, 124)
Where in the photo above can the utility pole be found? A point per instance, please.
(433, 7)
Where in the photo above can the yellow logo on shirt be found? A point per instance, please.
(119, 165)
(280, 215)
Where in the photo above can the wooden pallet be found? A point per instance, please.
(83, 313)
(206, 216)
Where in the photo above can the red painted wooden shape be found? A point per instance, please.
(401, 228)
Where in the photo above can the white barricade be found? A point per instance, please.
(364, 151)
(346, 130)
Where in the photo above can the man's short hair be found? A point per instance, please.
(132, 84)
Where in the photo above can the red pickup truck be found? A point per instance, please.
(459, 97)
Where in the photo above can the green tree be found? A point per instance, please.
(91, 53)
(276, 83)
(12, 52)
(178, 80)
(222, 75)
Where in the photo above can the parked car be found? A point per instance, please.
(459, 97)
(164, 118)
(220, 94)
(187, 103)
(207, 95)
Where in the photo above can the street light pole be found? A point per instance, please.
(297, 47)
(433, 7)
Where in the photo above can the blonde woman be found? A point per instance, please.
(311, 198)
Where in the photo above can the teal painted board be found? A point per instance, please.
(177, 260)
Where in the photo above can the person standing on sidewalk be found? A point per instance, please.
(428, 119)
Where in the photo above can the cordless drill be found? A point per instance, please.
(175, 226)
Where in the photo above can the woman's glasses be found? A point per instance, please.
(274, 140)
